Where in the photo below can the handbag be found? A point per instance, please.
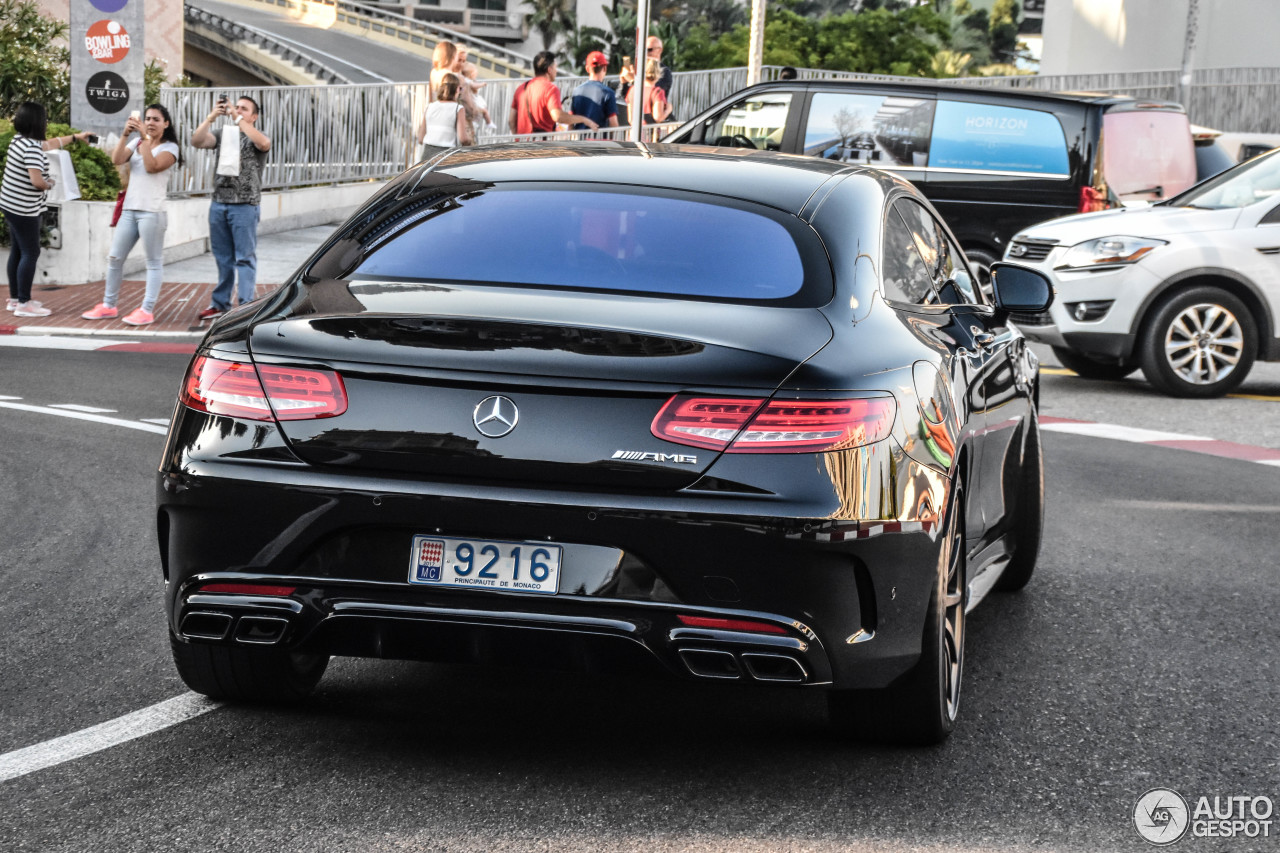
(115, 214)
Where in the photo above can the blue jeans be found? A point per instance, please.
(150, 226)
(233, 238)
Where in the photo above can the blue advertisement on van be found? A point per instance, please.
(983, 137)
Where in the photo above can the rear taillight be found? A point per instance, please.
(1092, 200)
(239, 390)
(745, 425)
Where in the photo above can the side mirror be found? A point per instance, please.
(1020, 289)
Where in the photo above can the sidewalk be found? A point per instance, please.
(187, 285)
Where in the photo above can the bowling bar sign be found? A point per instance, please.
(107, 63)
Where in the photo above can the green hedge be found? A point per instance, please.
(98, 178)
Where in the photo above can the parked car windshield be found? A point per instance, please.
(599, 240)
(1246, 184)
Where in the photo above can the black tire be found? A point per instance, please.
(981, 260)
(1200, 342)
(920, 707)
(1088, 367)
(1028, 515)
(240, 674)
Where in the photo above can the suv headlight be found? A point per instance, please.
(1109, 252)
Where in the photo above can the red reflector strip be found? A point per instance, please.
(238, 390)
(248, 589)
(730, 624)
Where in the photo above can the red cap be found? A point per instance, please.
(596, 59)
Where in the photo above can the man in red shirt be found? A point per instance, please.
(536, 106)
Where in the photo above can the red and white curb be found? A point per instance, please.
(1177, 441)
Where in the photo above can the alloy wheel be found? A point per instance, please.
(1204, 344)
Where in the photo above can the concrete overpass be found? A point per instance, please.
(251, 42)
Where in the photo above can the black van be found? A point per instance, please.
(992, 160)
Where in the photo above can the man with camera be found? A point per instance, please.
(237, 195)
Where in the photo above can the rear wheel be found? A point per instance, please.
(239, 674)
(919, 709)
(1088, 367)
(1200, 343)
(1028, 515)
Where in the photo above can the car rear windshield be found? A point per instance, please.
(599, 239)
(1147, 155)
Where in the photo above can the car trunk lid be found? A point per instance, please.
(497, 384)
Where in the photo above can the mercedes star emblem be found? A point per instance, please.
(496, 416)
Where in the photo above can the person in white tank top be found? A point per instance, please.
(445, 122)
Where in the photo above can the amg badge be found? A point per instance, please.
(637, 456)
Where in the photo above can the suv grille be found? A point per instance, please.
(1029, 250)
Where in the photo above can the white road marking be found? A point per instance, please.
(164, 422)
(138, 724)
(76, 407)
(57, 342)
(1234, 509)
(1120, 433)
(85, 416)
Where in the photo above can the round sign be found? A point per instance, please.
(107, 92)
(109, 6)
(107, 41)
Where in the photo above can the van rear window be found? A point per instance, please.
(983, 137)
(1147, 155)
(595, 240)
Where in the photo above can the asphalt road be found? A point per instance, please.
(1142, 655)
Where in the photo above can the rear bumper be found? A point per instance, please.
(848, 594)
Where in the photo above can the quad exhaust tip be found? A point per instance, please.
(250, 630)
(718, 663)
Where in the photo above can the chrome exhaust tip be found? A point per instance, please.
(711, 663)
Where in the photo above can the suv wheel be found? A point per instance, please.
(1088, 367)
(981, 261)
(1200, 342)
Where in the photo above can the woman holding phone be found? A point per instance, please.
(22, 199)
(150, 155)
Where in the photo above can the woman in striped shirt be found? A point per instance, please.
(22, 200)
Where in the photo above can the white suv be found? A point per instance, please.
(1188, 289)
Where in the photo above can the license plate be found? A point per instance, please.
(485, 564)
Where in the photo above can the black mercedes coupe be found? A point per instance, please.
(731, 415)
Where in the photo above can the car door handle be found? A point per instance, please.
(983, 339)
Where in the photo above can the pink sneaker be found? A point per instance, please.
(102, 311)
(11, 305)
(31, 309)
(139, 318)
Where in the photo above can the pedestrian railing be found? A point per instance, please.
(339, 133)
